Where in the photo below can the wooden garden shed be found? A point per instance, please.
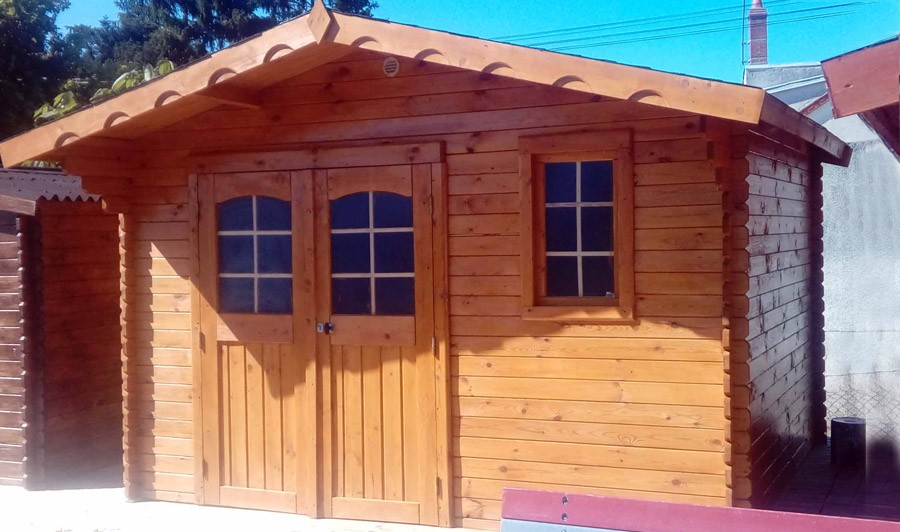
(377, 271)
(60, 390)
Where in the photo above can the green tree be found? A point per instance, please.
(30, 72)
(148, 31)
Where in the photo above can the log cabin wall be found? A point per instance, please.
(76, 287)
(777, 352)
(12, 369)
(635, 411)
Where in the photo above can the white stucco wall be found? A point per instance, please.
(862, 283)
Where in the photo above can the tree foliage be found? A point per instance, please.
(30, 70)
(149, 31)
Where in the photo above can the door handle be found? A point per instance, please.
(325, 328)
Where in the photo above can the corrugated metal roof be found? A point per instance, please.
(21, 188)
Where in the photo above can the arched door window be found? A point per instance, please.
(254, 235)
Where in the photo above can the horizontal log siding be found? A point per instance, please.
(783, 364)
(78, 296)
(634, 411)
(159, 302)
(12, 389)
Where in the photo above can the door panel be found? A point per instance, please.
(251, 363)
(380, 354)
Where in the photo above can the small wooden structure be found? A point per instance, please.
(60, 390)
(377, 271)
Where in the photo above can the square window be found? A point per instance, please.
(596, 181)
(392, 210)
(235, 294)
(578, 202)
(351, 296)
(350, 212)
(394, 253)
(395, 296)
(274, 295)
(562, 276)
(559, 179)
(350, 253)
(273, 214)
(596, 229)
(562, 229)
(598, 276)
(235, 254)
(273, 253)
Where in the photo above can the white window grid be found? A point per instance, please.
(255, 275)
(371, 275)
(579, 253)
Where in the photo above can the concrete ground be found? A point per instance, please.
(106, 510)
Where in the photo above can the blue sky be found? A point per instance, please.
(716, 54)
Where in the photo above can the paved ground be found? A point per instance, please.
(872, 492)
(106, 510)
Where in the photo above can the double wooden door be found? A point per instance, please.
(316, 346)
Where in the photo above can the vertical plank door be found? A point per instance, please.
(251, 360)
(375, 347)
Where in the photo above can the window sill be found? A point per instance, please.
(573, 314)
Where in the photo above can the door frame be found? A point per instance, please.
(315, 487)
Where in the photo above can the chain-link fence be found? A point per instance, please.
(875, 397)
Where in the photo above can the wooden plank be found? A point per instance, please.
(411, 434)
(257, 499)
(372, 330)
(238, 416)
(392, 422)
(373, 428)
(389, 511)
(273, 435)
(354, 430)
(591, 412)
(586, 390)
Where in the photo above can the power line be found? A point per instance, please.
(696, 32)
(634, 22)
(556, 42)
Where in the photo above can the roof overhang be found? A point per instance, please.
(235, 74)
(867, 82)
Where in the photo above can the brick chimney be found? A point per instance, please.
(759, 34)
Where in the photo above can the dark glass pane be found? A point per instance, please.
(395, 296)
(596, 181)
(394, 253)
(235, 294)
(350, 253)
(393, 210)
(236, 214)
(596, 229)
(273, 254)
(273, 214)
(562, 276)
(562, 233)
(274, 295)
(598, 275)
(350, 212)
(236, 254)
(560, 182)
(351, 296)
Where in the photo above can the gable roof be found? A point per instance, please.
(21, 189)
(233, 75)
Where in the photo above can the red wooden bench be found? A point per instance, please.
(547, 511)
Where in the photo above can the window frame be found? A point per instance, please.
(534, 152)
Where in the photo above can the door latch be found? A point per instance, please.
(325, 328)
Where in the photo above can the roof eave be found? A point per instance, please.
(207, 82)
(779, 114)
